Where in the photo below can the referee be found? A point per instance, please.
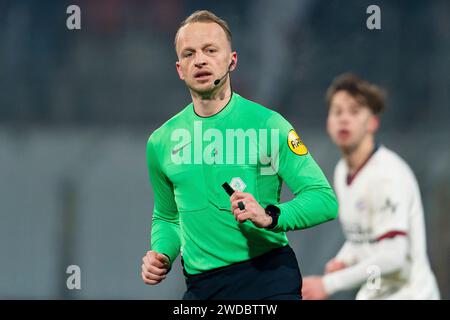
(233, 244)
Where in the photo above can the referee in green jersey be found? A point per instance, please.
(233, 244)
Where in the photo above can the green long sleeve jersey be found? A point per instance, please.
(249, 146)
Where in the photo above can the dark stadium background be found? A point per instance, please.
(77, 107)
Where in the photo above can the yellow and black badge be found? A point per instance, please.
(295, 143)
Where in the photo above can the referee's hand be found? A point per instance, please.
(154, 267)
(253, 210)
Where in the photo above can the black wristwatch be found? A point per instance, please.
(274, 212)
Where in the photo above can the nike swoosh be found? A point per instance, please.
(175, 151)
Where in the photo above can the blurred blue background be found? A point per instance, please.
(77, 107)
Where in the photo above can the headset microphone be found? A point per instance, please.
(217, 81)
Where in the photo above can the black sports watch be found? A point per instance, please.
(274, 212)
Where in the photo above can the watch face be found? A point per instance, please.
(273, 210)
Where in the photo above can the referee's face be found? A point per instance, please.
(204, 54)
(349, 123)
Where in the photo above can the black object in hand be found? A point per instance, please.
(228, 188)
(230, 192)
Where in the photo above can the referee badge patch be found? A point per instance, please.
(237, 184)
(295, 143)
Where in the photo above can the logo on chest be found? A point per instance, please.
(237, 184)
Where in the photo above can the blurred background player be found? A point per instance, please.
(380, 207)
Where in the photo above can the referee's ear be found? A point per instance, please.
(179, 71)
(233, 63)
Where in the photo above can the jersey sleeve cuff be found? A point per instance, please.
(330, 283)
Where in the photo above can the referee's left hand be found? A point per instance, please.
(253, 210)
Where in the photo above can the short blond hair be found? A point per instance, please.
(204, 16)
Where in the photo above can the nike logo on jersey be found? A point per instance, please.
(175, 151)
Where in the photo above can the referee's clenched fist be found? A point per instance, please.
(154, 267)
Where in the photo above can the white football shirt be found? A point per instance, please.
(381, 213)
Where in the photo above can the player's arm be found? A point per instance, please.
(390, 244)
(315, 201)
(165, 234)
(347, 255)
(387, 256)
(344, 258)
